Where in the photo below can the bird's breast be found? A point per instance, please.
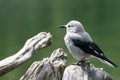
(75, 51)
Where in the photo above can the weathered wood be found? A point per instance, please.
(85, 71)
(51, 68)
(32, 45)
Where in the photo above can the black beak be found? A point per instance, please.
(62, 26)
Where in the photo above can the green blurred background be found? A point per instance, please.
(22, 19)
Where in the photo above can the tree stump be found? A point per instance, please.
(85, 71)
(51, 68)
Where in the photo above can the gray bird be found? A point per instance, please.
(81, 45)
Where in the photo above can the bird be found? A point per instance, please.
(80, 44)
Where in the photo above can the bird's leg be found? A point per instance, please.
(81, 62)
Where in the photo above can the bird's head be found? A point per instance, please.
(73, 26)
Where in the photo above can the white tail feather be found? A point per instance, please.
(106, 62)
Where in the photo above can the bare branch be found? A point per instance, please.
(32, 45)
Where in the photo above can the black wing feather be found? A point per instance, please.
(91, 48)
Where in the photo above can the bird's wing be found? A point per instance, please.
(88, 47)
(91, 48)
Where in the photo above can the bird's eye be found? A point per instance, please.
(69, 26)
